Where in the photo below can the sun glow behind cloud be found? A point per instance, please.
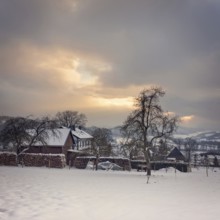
(187, 118)
(70, 70)
(87, 71)
(126, 102)
(73, 78)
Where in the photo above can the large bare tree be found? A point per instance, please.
(149, 121)
(71, 118)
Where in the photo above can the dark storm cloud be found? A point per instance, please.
(20, 19)
(210, 72)
(173, 43)
(166, 39)
(145, 40)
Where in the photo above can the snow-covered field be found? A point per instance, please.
(63, 194)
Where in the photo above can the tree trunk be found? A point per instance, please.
(149, 169)
(147, 158)
(96, 162)
(17, 152)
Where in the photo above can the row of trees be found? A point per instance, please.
(144, 126)
(16, 132)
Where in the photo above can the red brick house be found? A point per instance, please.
(63, 140)
(58, 143)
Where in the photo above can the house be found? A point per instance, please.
(56, 143)
(62, 141)
(82, 140)
(175, 154)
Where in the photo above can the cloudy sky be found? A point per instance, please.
(94, 56)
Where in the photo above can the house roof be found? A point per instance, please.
(81, 134)
(57, 139)
(175, 153)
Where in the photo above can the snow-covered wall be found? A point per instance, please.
(8, 159)
(41, 160)
(81, 162)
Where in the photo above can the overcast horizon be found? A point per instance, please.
(95, 56)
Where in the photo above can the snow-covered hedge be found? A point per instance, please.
(81, 162)
(157, 165)
(8, 159)
(41, 160)
(73, 154)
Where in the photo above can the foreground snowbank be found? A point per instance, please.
(53, 194)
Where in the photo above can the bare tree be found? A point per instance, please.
(190, 145)
(71, 118)
(179, 142)
(102, 143)
(150, 121)
(13, 132)
(23, 132)
(129, 145)
(161, 150)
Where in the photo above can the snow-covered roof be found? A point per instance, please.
(57, 139)
(8, 153)
(80, 134)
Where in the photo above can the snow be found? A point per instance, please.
(41, 154)
(191, 135)
(8, 153)
(81, 134)
(55, 194)
(201, 136)
(57, 139)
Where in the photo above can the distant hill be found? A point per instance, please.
(202, 136)
(183, 133)
(205, 139)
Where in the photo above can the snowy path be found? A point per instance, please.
(54, 194)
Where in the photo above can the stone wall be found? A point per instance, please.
(8, 159)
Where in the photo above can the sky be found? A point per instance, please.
(95, 56)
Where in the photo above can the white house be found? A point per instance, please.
(82, 139)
